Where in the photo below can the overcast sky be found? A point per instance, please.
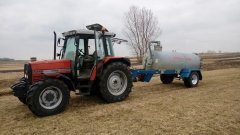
(187, 25)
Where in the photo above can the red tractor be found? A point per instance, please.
(86, 65)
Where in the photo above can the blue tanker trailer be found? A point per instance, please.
(169, 65)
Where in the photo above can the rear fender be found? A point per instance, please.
(106, 61)
(117, 59)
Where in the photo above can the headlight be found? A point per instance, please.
(25, 75)
(25, 71)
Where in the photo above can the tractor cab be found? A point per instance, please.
(85, 48)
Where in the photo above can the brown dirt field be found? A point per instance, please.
(152, 108)
(7, 79)
(220, 61)
(12, 65)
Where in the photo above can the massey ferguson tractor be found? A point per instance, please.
(86, 65)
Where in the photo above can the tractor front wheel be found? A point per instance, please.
(48, 97)
(23, 100)
(115, 83)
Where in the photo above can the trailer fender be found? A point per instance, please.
(185, 73)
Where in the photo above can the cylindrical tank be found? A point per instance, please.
(159, 60)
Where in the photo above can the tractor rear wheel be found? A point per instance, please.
(115, 82)
(166, 79)
(48, 97)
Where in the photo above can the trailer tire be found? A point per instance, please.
(166, 79)
(48, 97)
(192, 80)
(115, 82)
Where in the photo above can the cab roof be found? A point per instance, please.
(84, 32)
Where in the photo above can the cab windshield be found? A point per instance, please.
(70, 49)
(104, 45)
(87, 46)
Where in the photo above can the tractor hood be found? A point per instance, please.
(51, 66)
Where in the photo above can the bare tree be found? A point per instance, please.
(141, 26)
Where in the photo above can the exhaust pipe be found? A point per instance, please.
(55, 45)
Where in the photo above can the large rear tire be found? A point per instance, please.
(192, 80)
(48, 97)
(115, 82)
(166, 79)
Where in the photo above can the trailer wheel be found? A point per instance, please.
(166, 79)
(115, 82)
(23, 100)
(48, 97)
(192, 80)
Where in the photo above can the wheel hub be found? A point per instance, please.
(117, 82)
(194, 79)
(50, 97)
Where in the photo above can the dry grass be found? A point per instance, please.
(152, 108)
(220, 61)
(7, 79)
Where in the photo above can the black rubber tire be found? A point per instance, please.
(95, 88)
(35, 91)
(188, 81)
(23, 100)
(105, 94)
(166, 79)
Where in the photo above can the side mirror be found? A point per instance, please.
(59, 40)
(118, 40)
(76, 40)
(97, 27)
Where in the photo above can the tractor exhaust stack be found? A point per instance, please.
(55, 45)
